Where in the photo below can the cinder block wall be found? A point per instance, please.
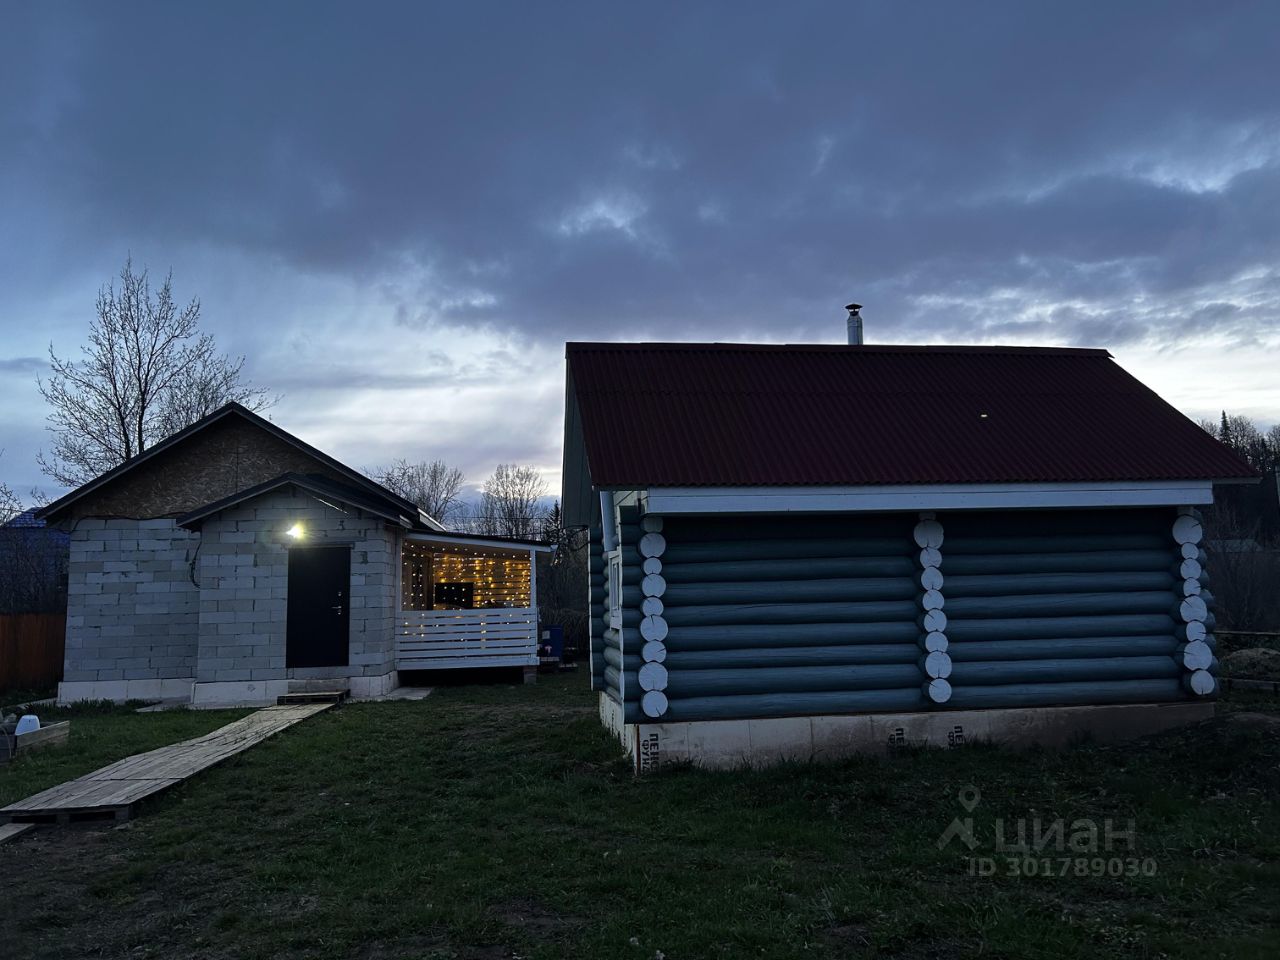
(132, 609)
(244, 580)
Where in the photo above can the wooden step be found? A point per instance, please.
(313, 696)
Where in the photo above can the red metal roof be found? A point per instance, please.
(694, 414)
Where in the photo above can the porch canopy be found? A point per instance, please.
(467, 600)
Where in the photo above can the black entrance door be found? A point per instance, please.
(319, 607)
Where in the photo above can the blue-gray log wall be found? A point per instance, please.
(772, 616)
(597, 580)
(1062, 607)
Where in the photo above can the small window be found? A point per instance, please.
(454, 596)
(615, 590)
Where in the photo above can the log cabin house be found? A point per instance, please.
(234, 564)
(803, 551)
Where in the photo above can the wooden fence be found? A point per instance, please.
(31, 650)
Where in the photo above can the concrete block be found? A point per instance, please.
(721, 743)
(840, 736)
(781, 738)
(252, 693)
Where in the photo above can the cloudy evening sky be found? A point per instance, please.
(399, 212)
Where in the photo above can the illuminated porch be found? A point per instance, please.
(467, 602)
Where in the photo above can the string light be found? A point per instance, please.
(495, 579)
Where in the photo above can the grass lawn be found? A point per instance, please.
(498, 821)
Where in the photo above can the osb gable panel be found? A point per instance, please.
(220, 460)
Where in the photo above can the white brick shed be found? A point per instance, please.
(233, 562)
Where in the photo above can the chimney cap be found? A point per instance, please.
(853, 307)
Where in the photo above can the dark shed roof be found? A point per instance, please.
(695, 414)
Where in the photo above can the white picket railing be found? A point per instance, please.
(443, 639)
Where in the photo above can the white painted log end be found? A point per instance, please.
(1190, 569)
(939, 691)
(651, 607)
(1195, 630)
(654, 703)
(1190, 588)
(935, 642)
(1196, 655)
(931, 578)
(653, 585)
(654, 652)
(1193, 609)
(652, 545)
(932, 600)
(653, 628)
(651, 523)
(937, 666)
(1190, 551)
(652, 565)
(930, 557)
(934, 621)
(1202, 683)
(928, 533)
(653, 676)
(1187, 530)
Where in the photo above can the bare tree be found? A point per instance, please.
(10, 504)
(509, 505)
(435, 487)
(562, 580)
(146, 372)
(1242, 434)
(1244, 570)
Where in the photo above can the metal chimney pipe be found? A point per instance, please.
(855, 324)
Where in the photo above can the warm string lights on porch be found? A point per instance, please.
(438, 578)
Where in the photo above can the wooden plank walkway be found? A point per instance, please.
(112, 791)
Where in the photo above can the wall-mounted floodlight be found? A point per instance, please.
(296, 531)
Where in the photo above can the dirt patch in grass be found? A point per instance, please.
(535, 919)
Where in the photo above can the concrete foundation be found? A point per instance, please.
(726, 744)
(72, 691)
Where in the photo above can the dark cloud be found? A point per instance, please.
(22, 365)
(1010, 171)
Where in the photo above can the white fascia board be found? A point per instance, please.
(463, 540)
(429, 521)
(947, 496)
